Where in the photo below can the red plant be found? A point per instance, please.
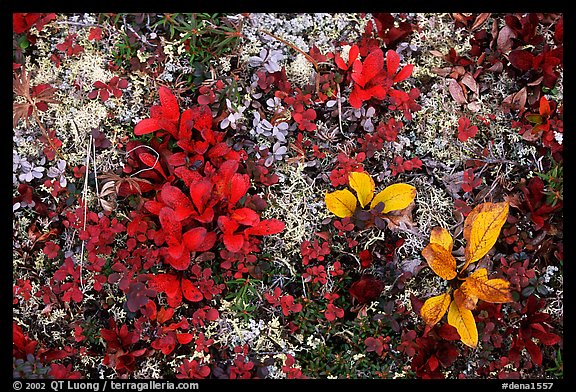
(119, 348)
(379, 345)
(69, 46)
(391, 31)
(366, 289)
(22, 22)
(314, 250)
(533, 325)
(470, 181)
(104, 90)
(372, 80)
(192, 370)
(95, 34)
(465, 130)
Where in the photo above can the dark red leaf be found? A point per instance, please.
(521, 59)
(534, 351)
(366, 289)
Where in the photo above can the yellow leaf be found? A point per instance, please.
(395, 197)
(489, 290)
(482, 230)
(434, 308)
(440, 260)
(341, 203)
(463, 320)
(363, 184)
(441, 236)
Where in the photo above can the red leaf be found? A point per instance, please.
(404, 73)
(392, 62)
(168, 284)
(233, 242)
(534, 351)
(237, 188)
(373, 64)
(200, 192)
(227, 225)
(191, 292)
(202, 117)
(266, 227)
(170, 109)
(521, 59)
(175, 247)
(366, 289)
(174, 198)
(170, 225)
(366, 258)
(194, 238)
(208, 243)
(153, 206)
(184, 338)
(245, 216)
(182, 263)
(219, 150)
(147, 125)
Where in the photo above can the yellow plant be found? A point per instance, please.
(481, 230)
(343, 203)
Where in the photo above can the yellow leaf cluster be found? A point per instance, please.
(343, 203)
(481, 230)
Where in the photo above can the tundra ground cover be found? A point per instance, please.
(288, 196)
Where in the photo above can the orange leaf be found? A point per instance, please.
(441, 236)
(489, 290)
(482, 228)
(341, 203)
(434, 308)
(363, 184)
(466, 300)
(440, 260)
(463, 320)
(395, 197)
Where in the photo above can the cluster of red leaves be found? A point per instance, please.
(431, 353)
(104, 90)
(22, 22)
(344, 166)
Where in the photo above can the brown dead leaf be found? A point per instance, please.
(469, 81)
(480, 20)
(515, 101)
(456, 91)
(400, 219)
(442, 71)
(504, 41)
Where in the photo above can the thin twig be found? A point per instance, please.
(339, 107)
(84, 197)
